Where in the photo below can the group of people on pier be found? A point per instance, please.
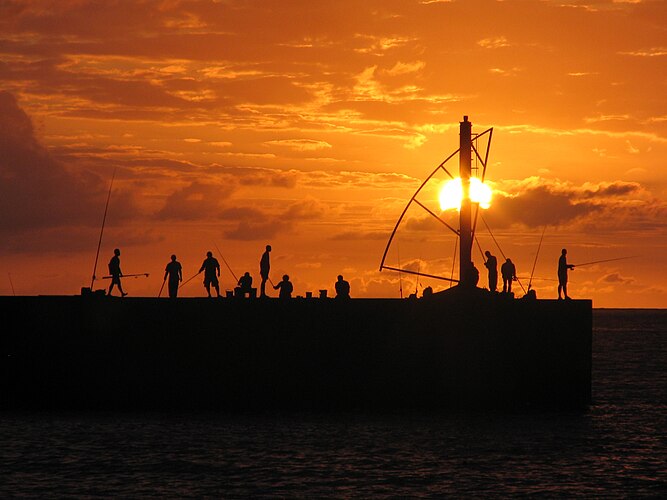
(173, 276)
(508, 273)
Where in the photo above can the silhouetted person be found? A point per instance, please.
(563, 266)
(174, 272)
(211, 269)
(286, 288)
(264, 267)
(245, 283)
(474, 274)
(342, 288)
(508, 272)
(492, 265)
(115, 272)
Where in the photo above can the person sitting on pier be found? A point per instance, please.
(492, 265)
(563, 266)
(342, 288)
(174, 271)
(116, 273)
(264, 267)
(245, 286)
(508, 271)
(286, 288)
(211, 268)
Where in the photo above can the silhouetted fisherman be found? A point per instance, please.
(563, 266)
(342, 288)
(264, 267)
(508, 271)
(211, 268)
(245, 284)
(492, 265)
(115, 272)
(286, 288)
(174, 272)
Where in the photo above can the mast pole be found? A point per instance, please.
(465, 220)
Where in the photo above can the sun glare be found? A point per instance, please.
(451, 194)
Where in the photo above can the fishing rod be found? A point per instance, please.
(189, 280)
(400, 280)
(104, 219)
(160, 292)
(530, 281)
(225, 261)
(11, 283)
(127, 276)
(605, 260)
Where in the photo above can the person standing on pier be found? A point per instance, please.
(264, 267)
(175, 273)
(211, 268)
(116, 273)
(563, 266)
(508, 271)
(492, 265)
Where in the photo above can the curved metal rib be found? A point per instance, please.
(398, 222)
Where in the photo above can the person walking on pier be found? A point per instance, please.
(286, 288)
(211, 268)
(508, 271)
(174, 272)
(342, 288)
(116, 273)
(563, 266)
(264, 267)
(492, 265)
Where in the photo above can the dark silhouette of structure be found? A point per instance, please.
(245, 287)
(342, 288)
(492, 265)
(173, 271)
(264, 268)
(508, 271)
(462, 348)
(285, 287)
(563, 266)
(116, 273)
(211, 268)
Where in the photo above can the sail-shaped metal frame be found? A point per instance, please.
(483, 161)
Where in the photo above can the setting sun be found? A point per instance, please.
(451, 194)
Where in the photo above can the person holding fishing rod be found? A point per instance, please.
(174, 271)
(563, 266)
(211, 268)
(116, 273)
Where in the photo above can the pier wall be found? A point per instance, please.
(132, 353)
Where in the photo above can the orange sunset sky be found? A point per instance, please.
(309, 125)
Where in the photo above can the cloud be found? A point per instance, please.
(37, 191)
(195, 201)
(300, 144)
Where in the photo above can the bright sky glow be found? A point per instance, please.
(451, 194)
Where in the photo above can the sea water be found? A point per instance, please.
(618, 448)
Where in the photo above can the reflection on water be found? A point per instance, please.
(615, 449)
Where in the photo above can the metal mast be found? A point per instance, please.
(465, 221)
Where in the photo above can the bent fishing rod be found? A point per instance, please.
(104, 219)
(605, 260)
(137, 275)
